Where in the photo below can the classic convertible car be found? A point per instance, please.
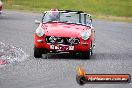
(1, 6)
(64, 31)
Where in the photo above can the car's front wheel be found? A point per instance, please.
(37, 52)
(86, 55)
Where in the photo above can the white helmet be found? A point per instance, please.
(54, 15)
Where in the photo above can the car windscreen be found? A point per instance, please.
(61, 17)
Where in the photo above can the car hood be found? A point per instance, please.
(63, 29)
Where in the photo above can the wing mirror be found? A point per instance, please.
(37, 22)
(90, 20)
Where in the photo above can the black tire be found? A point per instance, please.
(91, 52)
(37, 53)
(86, 55)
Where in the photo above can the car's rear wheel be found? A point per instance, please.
(37, 52)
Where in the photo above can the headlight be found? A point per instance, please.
(40, 32)
(85, 35)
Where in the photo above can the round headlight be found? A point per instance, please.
(40, 32)
(85, 35)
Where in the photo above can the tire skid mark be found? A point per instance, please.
(10, 54)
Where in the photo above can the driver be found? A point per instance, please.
(54, 15)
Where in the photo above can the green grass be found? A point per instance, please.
(116, 8)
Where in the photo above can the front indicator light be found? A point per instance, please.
(40, 41)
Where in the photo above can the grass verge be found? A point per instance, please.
(115, 10)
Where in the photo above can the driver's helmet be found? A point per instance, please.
(54, 15)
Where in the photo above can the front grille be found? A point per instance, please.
(62, 40)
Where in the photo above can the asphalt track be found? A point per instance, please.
(113, 54)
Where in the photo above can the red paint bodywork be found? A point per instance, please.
(64, 30)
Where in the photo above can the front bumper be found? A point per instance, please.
(41, 43)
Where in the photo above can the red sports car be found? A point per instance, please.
(1, 6)
(64, 31)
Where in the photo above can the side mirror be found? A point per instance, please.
(90, 20)
(37, 22)
(89, 23)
